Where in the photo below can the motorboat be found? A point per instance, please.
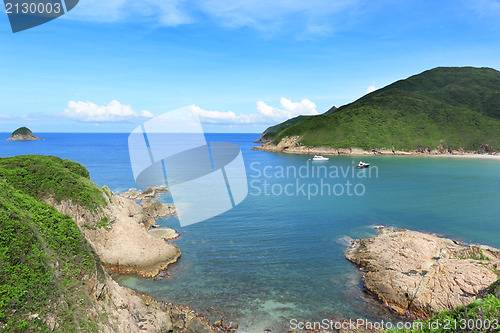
(362, 165)
(320, 158)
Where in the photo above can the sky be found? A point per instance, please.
(244, 65)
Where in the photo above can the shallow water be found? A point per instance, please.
(277, 257)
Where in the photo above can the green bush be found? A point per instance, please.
(43, 176)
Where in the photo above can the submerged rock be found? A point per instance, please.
(418, 274)
(23, 134)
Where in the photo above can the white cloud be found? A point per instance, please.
(228, 117)
(266, 114)
(114, 111)
(164, 12)
(311, 17)
(370, 89)
(288, 109)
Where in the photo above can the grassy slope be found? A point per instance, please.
(43, 255)
(455, 107)
(43, 176)
(272, 131)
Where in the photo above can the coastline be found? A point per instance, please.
(60, 230)
(127, 245)
(292, 146)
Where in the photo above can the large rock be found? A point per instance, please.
(418, 274)
(157, 209)
(119, 309)
(23, 134)
(119, 235)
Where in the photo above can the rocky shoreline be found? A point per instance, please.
(124, 238)
(417, 275)
(291, 145)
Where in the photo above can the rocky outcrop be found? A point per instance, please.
(118, 309)
(418, 274)
(157, 209)
(119, 235)
(23, 134)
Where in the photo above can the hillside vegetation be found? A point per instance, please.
(452, 107)
(44, 258)
(43, 176)
(271, 132)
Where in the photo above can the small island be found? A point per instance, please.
(23, 134)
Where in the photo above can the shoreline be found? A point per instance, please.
(291, 146)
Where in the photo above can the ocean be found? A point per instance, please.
(278, 255)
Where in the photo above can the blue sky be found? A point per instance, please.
(108, 65)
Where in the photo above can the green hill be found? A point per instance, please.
(43, 255)
(448, 106)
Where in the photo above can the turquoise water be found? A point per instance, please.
(278, 257)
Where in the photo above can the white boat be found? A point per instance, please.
(320, 158)
(362, 165)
